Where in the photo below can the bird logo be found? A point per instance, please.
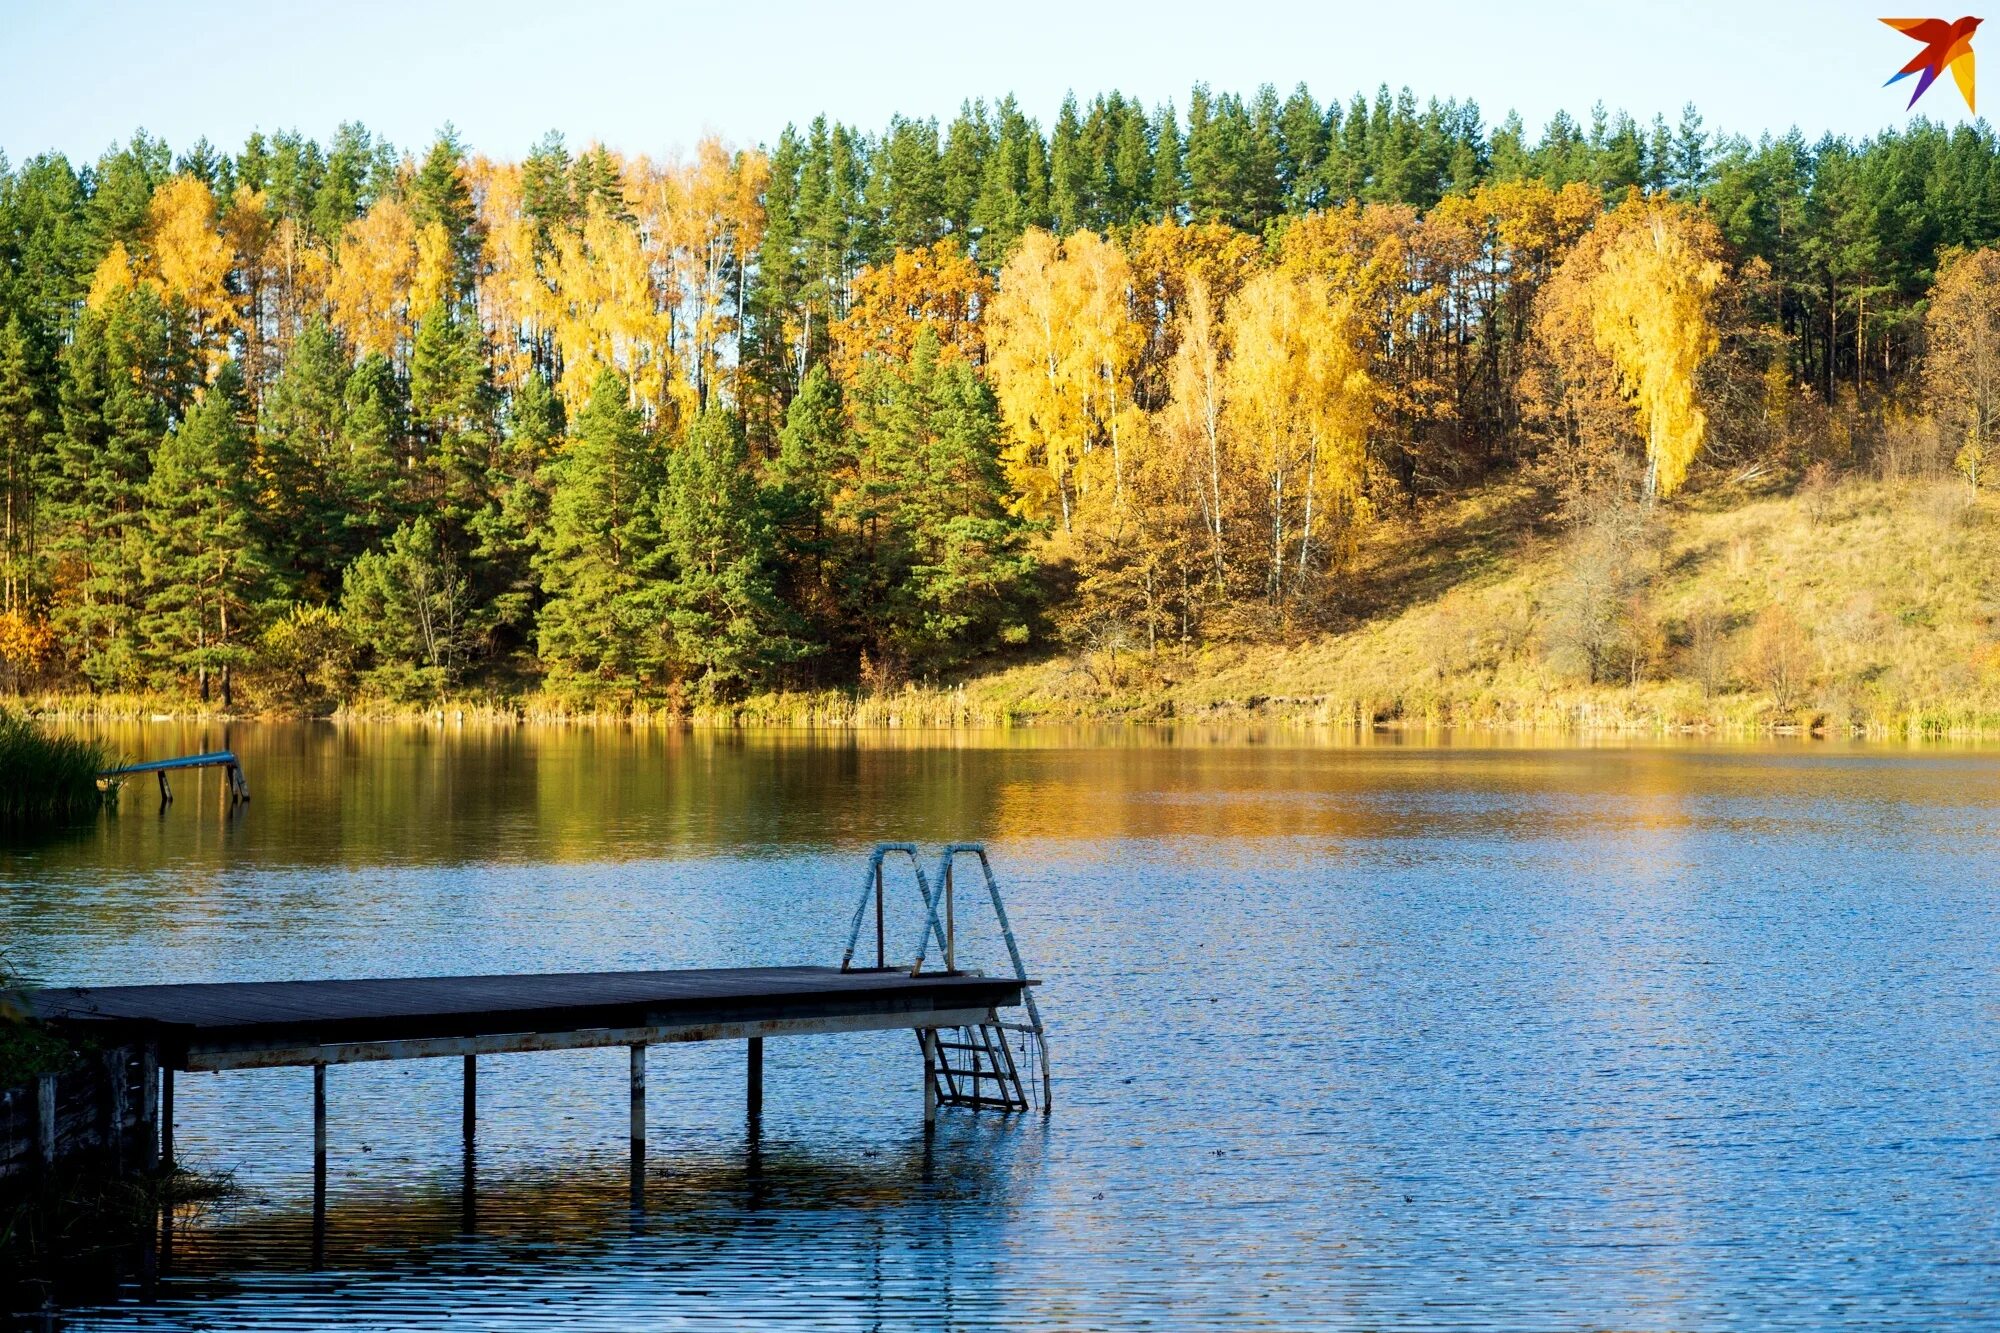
(1945, 44)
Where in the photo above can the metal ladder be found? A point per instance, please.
(973, 1066)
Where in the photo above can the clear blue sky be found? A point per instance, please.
(654, 77)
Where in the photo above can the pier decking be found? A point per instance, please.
(258, 1024)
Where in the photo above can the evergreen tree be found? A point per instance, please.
(727, 624)
(1169, 196)
(206, 575)
(599, 621)
(114, 413)
(23, 463)
(368, 471)
(451, 408)
(941, 572)
(439, 195)
(815, 455)
(409, 605)
(307, 518)
(505, 529)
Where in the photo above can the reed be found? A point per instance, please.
(47, 777)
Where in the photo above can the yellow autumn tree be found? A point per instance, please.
(935, 287)
(1651, 306)
(369, 291)
(247, 228)
(190, 261)
(298, 271)
(1962, 358)
(1061, 348)
(113, 278)
(1190, 425)
(605, 313)
(701, 221)
(1299, 399)
(1167, 258)
(514, 298)
(436, 273)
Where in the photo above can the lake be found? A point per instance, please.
(1392, 1035)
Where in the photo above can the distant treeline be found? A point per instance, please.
(869, 406)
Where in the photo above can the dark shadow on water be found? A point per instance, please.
(702, 1209)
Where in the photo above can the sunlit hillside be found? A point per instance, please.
(1858, 605)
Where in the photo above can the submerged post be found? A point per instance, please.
(926, 1037)
(469, 1113)
(319, 1164)
(638, 1121)
(167, 1117)
(117, 1104)
(881, 936)
(753, 1098)
(319, 1123)
(149, 1106)
(45, 1120)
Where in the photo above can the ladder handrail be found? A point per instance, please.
(872, 888)
(1007, 933)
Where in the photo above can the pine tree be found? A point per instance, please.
(728, 626)
(505, 529)
(409, 603)
(451, 408)
(369, 472)
(23, 461)
(115, 409)
(941, 570)
(439, 196)
(206, 575)
(814, 460)
(1168, 197)
(307, 517)
(599, 626)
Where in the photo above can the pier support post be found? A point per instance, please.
(638, 1123)
(319, 1166)
(167, 1118)
(927, 1036)
(469, 1114)
(45, 1121)
(117, 1104)
(753, 1080)
(319, 1129)
(149, 1107)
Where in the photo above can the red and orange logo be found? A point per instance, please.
(1946, 45)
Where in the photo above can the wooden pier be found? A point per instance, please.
(963, 1042)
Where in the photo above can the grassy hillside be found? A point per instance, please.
(1838, 606)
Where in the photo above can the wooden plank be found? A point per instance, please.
(212, 1059)
(229, 1004)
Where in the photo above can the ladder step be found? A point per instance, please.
(975, 1073)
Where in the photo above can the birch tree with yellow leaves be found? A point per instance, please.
(191, 262)
(1061, 349)
(368, 294)
(1651, 314)
(1299, 400)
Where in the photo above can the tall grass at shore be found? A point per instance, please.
(46, 777)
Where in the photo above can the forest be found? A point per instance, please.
(308, 423)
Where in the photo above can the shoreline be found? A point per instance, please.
(923, 710)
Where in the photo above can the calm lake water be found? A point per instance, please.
(1391, 1036)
